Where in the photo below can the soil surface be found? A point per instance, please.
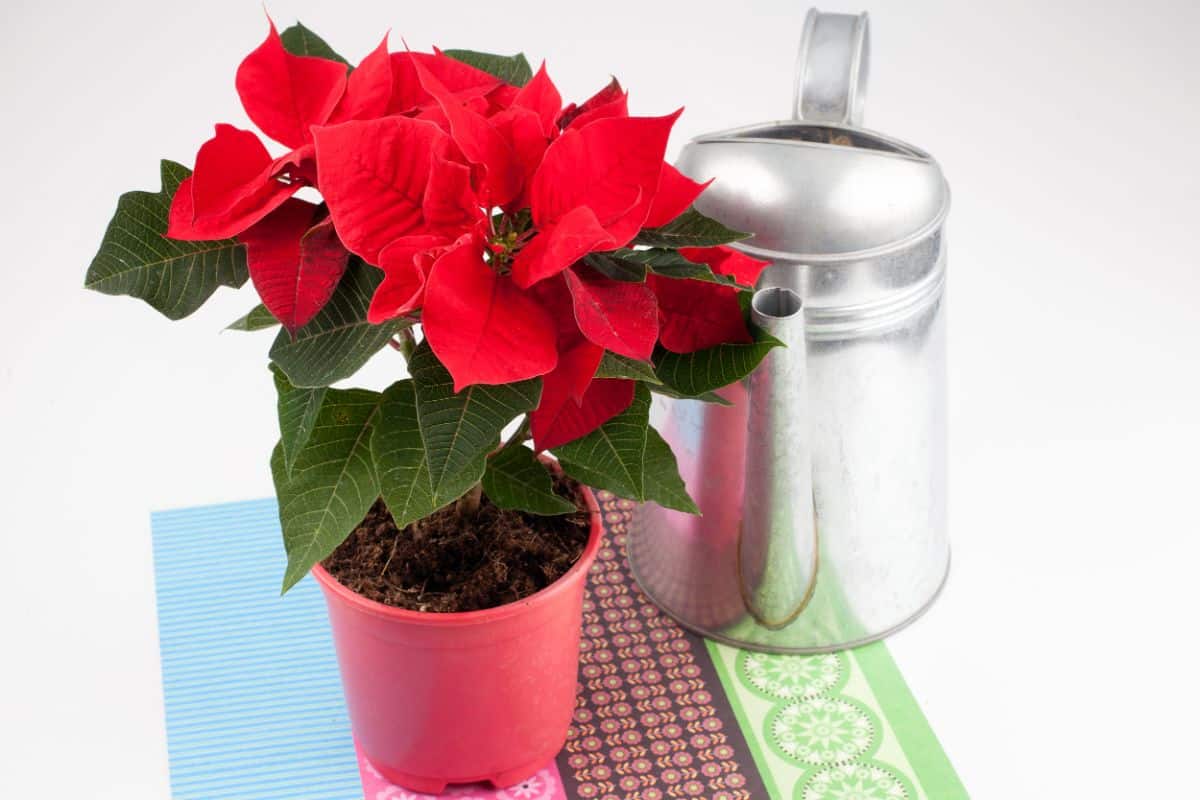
(447, 563)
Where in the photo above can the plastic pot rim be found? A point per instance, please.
(447, 619)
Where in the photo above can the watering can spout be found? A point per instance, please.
(778, 550)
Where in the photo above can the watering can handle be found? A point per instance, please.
(831, 68)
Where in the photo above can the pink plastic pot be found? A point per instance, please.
(484, 695)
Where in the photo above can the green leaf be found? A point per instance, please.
(399, 455)
(333, 481)
(619, 455)
(696, 374)
(516, 479)
(510, 69)
(689, 229)
(137, 259)
(298, 410)
(612, 265)
(632, 265)
(257, 319)
(338, 340)
(300, 41)
(459, 430)
(672, 264)
(618, 366)
(663, 484)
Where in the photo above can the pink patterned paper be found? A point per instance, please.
(545, 785)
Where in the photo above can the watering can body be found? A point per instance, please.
(822, 486)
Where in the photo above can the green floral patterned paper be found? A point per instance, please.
(840, 726)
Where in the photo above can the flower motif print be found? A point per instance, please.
(789, 677)
(541, 786)
(821, 730)
(855, 782)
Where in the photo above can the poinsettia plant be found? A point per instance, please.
(535, 262)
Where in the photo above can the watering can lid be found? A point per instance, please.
(819, 188)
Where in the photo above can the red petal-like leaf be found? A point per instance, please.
(611, 101)
(480, 325)
(612, 166)
(229, 167)
(461, 80)
(617, 315)
(406, 264)
(562, 416)
(523, 130)
(373, 175)
(298, 165)
(479, 141)
(582, 360)
(695, 315)
(501, 98)
(181, 218)
(727, 261)
(368, 89)
(434, 114)
(676, 192)
(542, 97)
(552, 294)
(559, 246)
(285, 94)
(562, 391)
(449, 204)
(231, 189)
(295, 265)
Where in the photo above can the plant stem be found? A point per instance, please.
(406, 343)
(467, 506)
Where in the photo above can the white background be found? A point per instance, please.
(1059, 661)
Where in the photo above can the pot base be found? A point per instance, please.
(436, 786)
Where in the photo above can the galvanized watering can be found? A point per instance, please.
(823, 487)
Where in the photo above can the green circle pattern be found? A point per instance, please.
(789, 677)
(812, 725)
(822, 730)
(856, 781)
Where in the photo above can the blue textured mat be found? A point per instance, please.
(254, 708)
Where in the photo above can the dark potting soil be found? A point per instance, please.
(447, 563)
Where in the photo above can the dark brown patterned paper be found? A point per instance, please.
(652, 721)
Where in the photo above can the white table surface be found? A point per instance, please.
(1059, 661)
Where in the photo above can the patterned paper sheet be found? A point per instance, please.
(661, 713)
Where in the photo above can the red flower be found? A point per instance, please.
(592, 191)
(479, 201)
(590, 188)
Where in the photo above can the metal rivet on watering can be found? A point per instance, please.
(823, 487)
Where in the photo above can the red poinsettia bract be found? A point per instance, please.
(479, 201)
